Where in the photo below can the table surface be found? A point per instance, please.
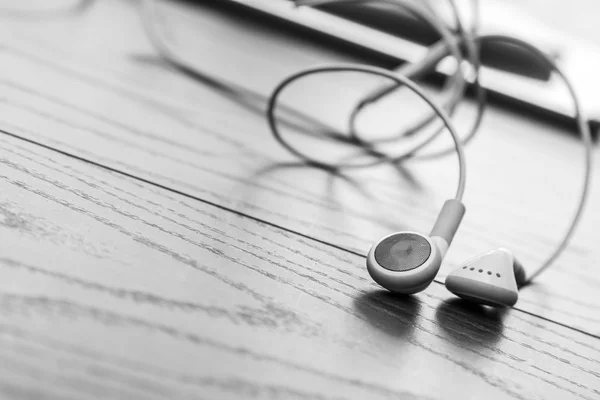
(156, 242)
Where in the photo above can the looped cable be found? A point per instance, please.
(398, 79)
(450, 45)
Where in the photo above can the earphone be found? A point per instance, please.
(491, 279)
(403, 262)
(408, 262)
(495, 278)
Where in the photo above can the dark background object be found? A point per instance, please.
(499, 56)
(394, 21)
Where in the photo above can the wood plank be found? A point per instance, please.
(104, 97)
(115, 288)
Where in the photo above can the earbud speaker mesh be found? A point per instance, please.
(402, 252)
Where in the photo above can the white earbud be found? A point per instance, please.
(407, 262)
(492, 279)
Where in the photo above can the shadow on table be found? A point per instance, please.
(470, 324)
(252, 101)
(403, 173)
(392, 314)
(338, 187)
(256, 103)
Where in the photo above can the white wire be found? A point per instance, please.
(436, 53)
(586, 136)
(399, 79)
(448, 46)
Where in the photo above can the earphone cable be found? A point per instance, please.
(586, 137)
(399, 79)
(449, 45)
(473, 43)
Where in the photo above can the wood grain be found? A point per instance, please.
(112, 288)
(102, 95)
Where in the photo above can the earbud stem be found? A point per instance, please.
(448, 221)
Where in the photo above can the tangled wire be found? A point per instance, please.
(458, 41)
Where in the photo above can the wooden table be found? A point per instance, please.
(156, 242)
